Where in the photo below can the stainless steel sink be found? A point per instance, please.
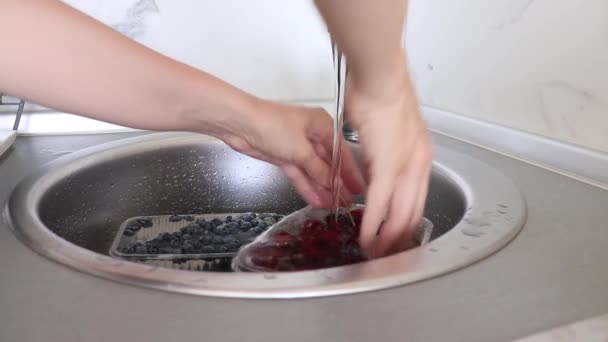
(70, 210)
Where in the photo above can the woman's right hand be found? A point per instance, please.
(397, 154)
(300, 141)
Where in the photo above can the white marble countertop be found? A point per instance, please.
(590, 330)
(553, 273)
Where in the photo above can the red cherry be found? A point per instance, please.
(311, 228)
(266, 256)
(283, 239)
(356, 214)
(311, 250)
(318, 244)
(329, 236)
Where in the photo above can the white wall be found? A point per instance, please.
(274, 49)
(536, 65)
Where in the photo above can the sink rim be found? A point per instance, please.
(485, 189)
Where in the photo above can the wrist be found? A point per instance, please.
(216, 108)
(383, 77)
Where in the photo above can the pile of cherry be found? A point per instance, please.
(313, 244)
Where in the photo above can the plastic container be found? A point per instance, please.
(153, 226)
(310, 239)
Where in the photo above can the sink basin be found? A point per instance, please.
(71, 209)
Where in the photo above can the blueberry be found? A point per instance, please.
(201, 221)
(175, 218)
(134, 223)
(207, 249)
(232, 247)
(205, 240)
(245, 226)
(178, 234)
(141, 249)
(221, 230)
(186, 237)
(165, 250)
(247, 218)
(128, 232)
(245, 240)
(234, 231)
(217, 240)
(133, 227)
(165, 236)
(197, 244)
(188, 218)
(144, 222)
(150, 243)
(174, 243)
(254, 223)
(208, 226)
(216, 222)
(222, 249)
(228, 219)
(262, 226)
(231, 226)
(131, 250)
(270, 221)
(153, 250)
(257, 230)
(254, 215)
(229, 239)
(187, 248)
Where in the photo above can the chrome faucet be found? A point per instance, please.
(341, 71)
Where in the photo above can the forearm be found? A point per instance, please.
(65, 60)
(370, 34)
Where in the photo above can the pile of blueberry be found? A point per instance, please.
(201, 236)
(137, 224)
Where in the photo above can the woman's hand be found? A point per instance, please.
(397, 155)
(299, 140)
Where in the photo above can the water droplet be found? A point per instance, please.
(473, 231)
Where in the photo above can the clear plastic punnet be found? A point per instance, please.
(311, 239)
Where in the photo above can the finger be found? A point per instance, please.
(425, 162)
(421, 199)
(400, 213)
(418, 209)
(352, 181)
(345, 196)
(350, 172)
(402, 220)
(317, 170)
(377, 201)
(311, 194)
(323, 153)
